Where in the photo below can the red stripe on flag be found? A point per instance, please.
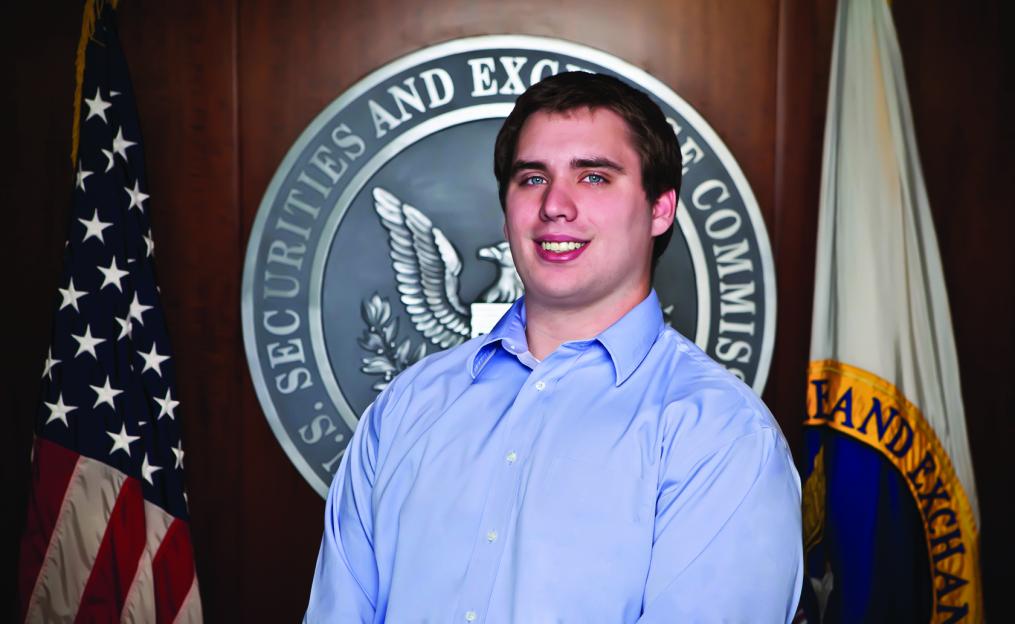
(116, 562)
(52, 469)
(172, 571)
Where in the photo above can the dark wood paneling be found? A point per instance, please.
(35, 191)
(182, 59)
(960, 70)
(805, 44)
(225, 88)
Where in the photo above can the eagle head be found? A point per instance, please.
(508, 285)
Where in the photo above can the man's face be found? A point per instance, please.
(579, 224)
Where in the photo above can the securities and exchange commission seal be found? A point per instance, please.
(379, 239)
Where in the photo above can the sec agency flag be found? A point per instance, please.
(890, 512)
(107, 535)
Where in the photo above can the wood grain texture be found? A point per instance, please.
(35, 192)
(225, 88)
(182, 60)
(960, 71)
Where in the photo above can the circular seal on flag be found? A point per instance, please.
(401, 165)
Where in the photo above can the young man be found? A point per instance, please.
(582, 462)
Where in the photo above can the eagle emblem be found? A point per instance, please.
(427, 269)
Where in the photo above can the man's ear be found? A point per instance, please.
(663, 211)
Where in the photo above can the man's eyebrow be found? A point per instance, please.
(596, 162)
(519, 165)
(590, 162)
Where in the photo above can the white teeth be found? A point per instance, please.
(561, 247)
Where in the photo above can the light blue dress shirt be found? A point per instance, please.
(627, 478)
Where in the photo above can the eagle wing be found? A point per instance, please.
(426, 268)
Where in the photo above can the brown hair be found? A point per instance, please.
(651, 135)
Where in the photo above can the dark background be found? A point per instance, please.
(224, 88)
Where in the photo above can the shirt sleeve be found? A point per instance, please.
(728, 543)
(345, 580)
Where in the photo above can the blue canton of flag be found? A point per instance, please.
(107, 533)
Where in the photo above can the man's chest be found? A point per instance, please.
(504, 487)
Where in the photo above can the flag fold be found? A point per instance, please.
(107, 533)
(890, 511)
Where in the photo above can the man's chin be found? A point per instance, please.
(570, 296)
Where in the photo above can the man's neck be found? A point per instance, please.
(549, 326)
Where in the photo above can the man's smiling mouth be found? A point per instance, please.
(561, 246)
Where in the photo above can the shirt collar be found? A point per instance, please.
(509, 330)
(627, 341)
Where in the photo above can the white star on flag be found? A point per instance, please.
(166, 405)
(136, 196)
(136, 309)
(50, 363)
(178, 452)
(109, 159)
(81, 175)
(152, 360)
(87, 343)
(121, 144)
(94, 227)
(121, 441)
(105, 394)
(59, 411)
(114, 327)
(125, 327)
(112, 275)
(97, 106)
(148, 469)
(71, 296)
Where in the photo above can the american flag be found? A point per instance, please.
(107, 532)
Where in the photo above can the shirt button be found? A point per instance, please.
(540, 385)
(491, 536)
(511, 457)
(470, 616)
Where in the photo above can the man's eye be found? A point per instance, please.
(594, 178)
(533, 180)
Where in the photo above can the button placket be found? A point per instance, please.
(528, 414)
(498, 511)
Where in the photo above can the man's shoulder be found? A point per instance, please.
(705, 402)
(446, 365)
(422, 388)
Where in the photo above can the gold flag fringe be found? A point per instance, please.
(93, 8)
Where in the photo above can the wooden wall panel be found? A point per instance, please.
(182, 61)
(960, 69)
(804, 54)
(225, 88)
(35, 191)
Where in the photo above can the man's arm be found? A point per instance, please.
(345, 581)
(728, 542)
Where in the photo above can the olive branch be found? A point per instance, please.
(380, 338)
(667, 314)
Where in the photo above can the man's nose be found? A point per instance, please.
(558, 203)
